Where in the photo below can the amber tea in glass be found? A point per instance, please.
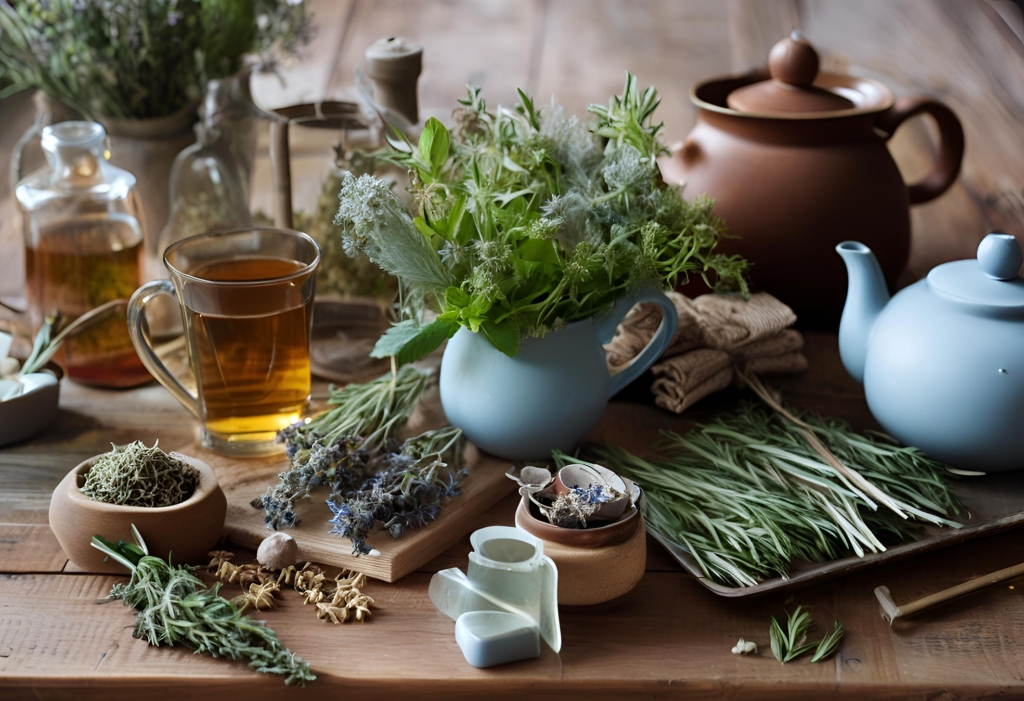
(246, 300)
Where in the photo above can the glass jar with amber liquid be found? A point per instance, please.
(83, 247)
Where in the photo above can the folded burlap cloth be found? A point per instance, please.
(716, 335)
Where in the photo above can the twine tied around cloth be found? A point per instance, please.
(716, 334)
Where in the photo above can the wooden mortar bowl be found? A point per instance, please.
(595, 565)
(183, 533)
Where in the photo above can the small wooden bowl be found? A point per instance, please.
(184, 532)
(595, 565)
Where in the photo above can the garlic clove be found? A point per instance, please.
(8, 367)
(277, 551)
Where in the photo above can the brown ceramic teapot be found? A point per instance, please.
(797, 163)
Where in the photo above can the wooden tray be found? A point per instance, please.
(243, 480)
(995, 503)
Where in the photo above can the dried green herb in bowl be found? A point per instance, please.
(136, 475)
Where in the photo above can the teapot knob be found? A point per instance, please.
(794, 61)
(1000, 256)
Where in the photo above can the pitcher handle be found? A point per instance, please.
(951, 143)
(606, 326)
(139, 331)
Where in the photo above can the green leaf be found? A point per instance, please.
(424, 228)
(434, 143)
(503, 336)
(829, 644)
(407, 341)
(777, 638)
(456, 297)
(539, 251)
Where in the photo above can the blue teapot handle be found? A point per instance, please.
(606, 325)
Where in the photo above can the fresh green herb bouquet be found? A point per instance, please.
(528, 220)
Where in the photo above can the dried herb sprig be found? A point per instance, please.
(338, 447)
(746, 496)
(175, 607)
(790, 642)
(407, 493)
(374, 481)
(136, 475)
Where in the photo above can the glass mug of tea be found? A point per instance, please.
(246, 299)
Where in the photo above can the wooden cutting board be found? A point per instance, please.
(245, 479)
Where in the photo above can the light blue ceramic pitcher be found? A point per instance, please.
(942, 362)
(552, 393)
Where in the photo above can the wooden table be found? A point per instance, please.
(670, 637)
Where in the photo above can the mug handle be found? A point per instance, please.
(139, 331)
(606, 325)
(951, 143)
(550, 629)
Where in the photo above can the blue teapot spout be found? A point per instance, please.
(865, 298)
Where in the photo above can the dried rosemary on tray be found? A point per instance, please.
(375, 481)
(747, 495)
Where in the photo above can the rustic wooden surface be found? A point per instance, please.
(670, 637)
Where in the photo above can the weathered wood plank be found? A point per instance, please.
(29, 549)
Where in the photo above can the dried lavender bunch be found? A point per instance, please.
(374, 480)
(336, 447)
(175, 607)
(407, 493)
(135, 475)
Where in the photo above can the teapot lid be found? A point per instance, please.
(993, 279)
(793, 64)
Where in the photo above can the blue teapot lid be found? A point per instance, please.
(992, 279)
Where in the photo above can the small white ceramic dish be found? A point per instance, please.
(34, 408)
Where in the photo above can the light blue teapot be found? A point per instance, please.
(942, 362)
(552, 393)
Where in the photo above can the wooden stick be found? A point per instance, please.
(891, 611)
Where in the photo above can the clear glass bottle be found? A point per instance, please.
(83, 248)
(210, 179)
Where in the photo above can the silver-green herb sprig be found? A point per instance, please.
(746, 495)
(176, 608)
(136, 475)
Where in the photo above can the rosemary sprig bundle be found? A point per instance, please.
(374, 481)
(176, 608)
(372, 410)
(136, 475)
(746, 495)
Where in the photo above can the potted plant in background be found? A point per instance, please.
(139, 67)
(533, 237)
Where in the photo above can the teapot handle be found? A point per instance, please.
(606, 326)
(951, 143)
